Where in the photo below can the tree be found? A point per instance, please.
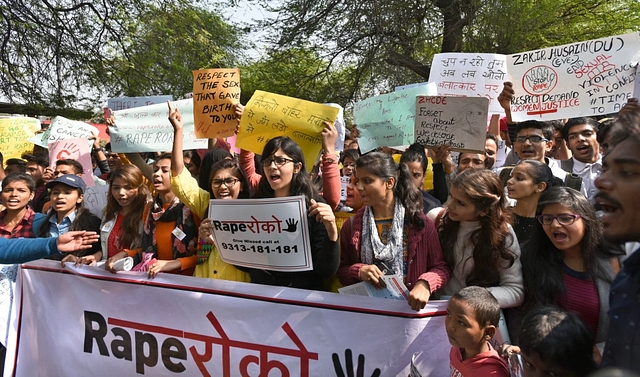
(47, 46)
(166, 43)
(57, 53)
(301, 73)
(393, 42)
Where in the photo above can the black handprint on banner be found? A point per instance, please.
(292, 226)
(348, 365)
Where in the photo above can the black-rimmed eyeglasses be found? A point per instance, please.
(563, 219)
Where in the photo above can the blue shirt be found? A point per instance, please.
(623, 343)
(55, 229)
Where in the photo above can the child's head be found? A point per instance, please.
(555, 341)
(472, 318)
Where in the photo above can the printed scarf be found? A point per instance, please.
(177, 213)
(373, 248)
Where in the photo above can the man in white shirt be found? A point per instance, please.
(581, 137)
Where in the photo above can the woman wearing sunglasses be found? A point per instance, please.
(569, 265)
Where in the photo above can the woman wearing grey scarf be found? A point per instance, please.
(390, 234)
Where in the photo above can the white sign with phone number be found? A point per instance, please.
(269, 234)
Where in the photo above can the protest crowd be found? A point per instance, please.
(538, 229)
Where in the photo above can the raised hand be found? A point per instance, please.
(175, 118)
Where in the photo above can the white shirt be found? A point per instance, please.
(588, 173)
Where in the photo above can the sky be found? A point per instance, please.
(247, 13)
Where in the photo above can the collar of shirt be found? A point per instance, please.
(70, 217)
(579, 166)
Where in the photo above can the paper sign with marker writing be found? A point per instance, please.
(62, 128)
(589, 78)
(389, 119)
(215, 91)
(74, 149)
(459, 121)
(147, 129)
(14, 135)
(123, 103)
(470, 75)
(268, 115)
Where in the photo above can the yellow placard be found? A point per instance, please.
(14, 135)
(268, 115)
(215, 91)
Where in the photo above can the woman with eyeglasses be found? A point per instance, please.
(284, 174)
(227, 181)
(568, 265)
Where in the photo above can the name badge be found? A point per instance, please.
(179, 233)
(106, 227)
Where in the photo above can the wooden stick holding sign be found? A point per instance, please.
(270, 234)
(458, 121)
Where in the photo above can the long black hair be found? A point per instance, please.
(300, 182)
(382, 165)
(542, 262)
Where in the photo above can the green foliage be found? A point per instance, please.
(166, 43)
(301, 73)
(389, 43)
(512, 26)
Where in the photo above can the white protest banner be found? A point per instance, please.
(74, 149)
(123, 103)
(61, 129)
(470, 75)
(270, 234)
(388, 120)
(587, 78)
(459, 121)
(95, 199)
(125, 324)
(147, 129)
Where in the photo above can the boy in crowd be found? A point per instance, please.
(471, 322)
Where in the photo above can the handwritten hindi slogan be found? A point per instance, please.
(459, 121)
(388, 120)
(268, 115)
(62, 128)
(270, 234)
(75, 149)
(14, 135)
(147, 129)
(215, 91)
(587, 78)
(470, 75)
